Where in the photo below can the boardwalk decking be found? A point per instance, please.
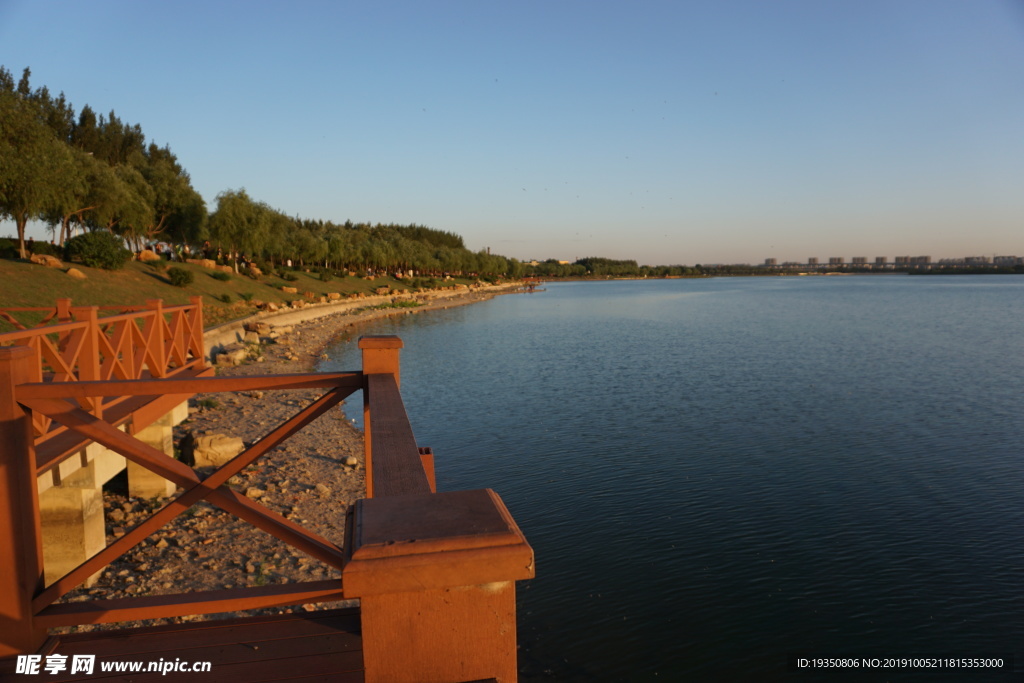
(307, 647)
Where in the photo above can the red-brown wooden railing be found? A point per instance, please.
(434, 572)
(158, 341)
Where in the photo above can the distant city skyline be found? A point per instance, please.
(663, 132)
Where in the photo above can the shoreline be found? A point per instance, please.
(305, 480)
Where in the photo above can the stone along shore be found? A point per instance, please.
(311, 478)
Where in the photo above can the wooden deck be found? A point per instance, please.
(307, 647)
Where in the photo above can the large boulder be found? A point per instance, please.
(212, 450)
(46, 260)
(232, 354)
(148, 255)
(75, 273)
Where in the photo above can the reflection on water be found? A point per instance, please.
(715, 473)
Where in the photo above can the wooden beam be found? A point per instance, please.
(199, 385)
(20, 545)
(183, 604)
(397, 467)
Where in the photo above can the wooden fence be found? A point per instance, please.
(434, 572)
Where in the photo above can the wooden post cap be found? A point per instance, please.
(434, 540)
(381, 341)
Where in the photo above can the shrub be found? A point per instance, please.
(47, 248)
(326, 275)
(290, 277)
(8, 248)
(245, 296)
(179, 276)
(226, 298)
(98, 249)
(220, 275)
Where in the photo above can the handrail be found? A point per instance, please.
(408, 550)
(125, 346)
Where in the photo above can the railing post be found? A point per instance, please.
(63, 316)
(435, 575)
(155, 338)
(380, 356)
(20, 544)
(89, 357)
(197, 343)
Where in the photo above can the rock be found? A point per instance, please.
(254, 271)
(213, 449)
(351, 461)
(46, 260)
(75, 273)
(298, 303)
(257, 327)
(224, 269)
(162, 543)
(148, 255)
(254, 493)
(333, 295)
(283, 329)
(232, 354)
(116, 515)
(252, 338)
(323, 490)
(290, 290)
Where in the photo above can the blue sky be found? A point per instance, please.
(667, 132)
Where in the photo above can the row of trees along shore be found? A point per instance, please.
(86, 172)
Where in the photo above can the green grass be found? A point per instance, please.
(24, 284)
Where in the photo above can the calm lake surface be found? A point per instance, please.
(717, 473)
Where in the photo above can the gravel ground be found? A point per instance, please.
(305, 479)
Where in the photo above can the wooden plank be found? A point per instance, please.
(397, 467)
(200, 385)
(214, 632)
(300, 647)
(182, 604)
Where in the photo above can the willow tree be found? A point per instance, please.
(239, 223)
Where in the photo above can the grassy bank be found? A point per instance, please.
(24, 284)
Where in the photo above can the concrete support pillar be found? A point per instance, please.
(142, 482)
(71, 520)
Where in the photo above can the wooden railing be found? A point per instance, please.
(157, 342)
(434, 572)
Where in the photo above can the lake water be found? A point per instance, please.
(717, 473)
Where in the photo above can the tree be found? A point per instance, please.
(239, 223)
(34, 160)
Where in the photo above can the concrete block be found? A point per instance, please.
(142, 482)
(71, 521)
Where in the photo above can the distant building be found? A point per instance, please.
(835, 260)
(771, 261)
(880, 260)
(1007, 261)
(812, 261)
(920, 260)
(860, 260)
(977, 260)
(902, 260)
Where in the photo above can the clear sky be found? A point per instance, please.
(667, 132)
